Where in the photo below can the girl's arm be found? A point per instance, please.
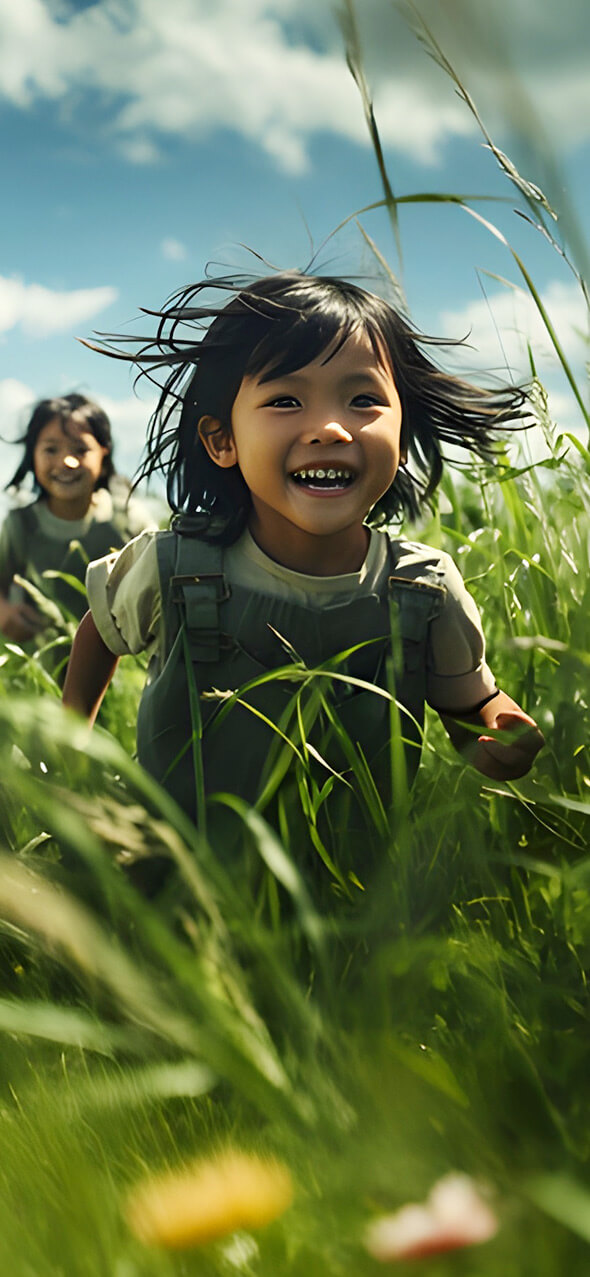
(90, 670)
(498, 759)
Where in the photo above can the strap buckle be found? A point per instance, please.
(178, 585)
(199, 597)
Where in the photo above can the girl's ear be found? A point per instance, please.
(403, 445)
(217, 442)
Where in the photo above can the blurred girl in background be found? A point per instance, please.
(81, 511)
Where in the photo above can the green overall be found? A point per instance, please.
(41, 553)
(233, 635)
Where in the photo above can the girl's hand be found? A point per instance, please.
(20, 621)
(499, 759)
(509, 759)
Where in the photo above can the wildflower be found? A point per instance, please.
(454, 1214)
(208, 1200)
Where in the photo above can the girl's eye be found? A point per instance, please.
(284, 401)
(366, 400)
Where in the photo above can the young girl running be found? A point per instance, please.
(300, 418)
(81, 510)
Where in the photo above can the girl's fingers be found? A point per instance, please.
(509, 719)
(504, 761)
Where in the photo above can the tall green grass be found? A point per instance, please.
(373, 1011)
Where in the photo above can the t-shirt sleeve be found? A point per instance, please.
(458, 678)
(124, 595)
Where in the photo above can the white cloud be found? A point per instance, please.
(189, 68)
(274, 70)
(30, 56)
(173, 250)
(501, 324)
(408, 108)
(129, 419)
(130, 414)
(42, 312)
(499, 328)
(14, 398)
(139, 150)
(525, 62)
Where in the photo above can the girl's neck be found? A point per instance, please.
(70, 511)
(312, 555)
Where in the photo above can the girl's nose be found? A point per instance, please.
(72, 463)
(327, 432)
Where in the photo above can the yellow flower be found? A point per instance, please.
(207, 1200)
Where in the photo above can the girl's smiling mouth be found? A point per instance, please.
(323, 478)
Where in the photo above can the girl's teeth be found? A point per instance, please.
(309, 475)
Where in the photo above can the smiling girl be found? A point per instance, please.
(292, 433)
(80, 512)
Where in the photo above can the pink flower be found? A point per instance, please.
(454, 1214)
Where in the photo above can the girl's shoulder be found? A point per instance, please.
(18, 535)
(414, 560)
(427, 565)
(186, 554)
(21, 522)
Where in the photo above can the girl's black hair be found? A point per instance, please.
(62, 408)
(274, 326)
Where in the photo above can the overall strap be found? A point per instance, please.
(413, 605)
(416, 596)
(192, 598)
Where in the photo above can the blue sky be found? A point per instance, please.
(142, 140)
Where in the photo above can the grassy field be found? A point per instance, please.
(371, 1023)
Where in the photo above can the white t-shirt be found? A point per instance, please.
(100, 510)
(125, 599)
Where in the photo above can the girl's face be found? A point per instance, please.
(68, 462)
(317, 449)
